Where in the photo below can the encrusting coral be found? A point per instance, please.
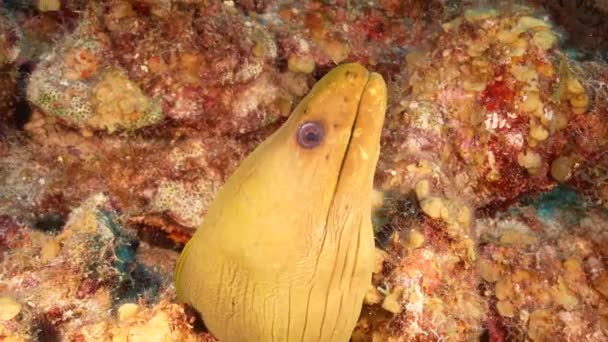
(77, 84)
(542, 269)
(492, 112)
(64, 285)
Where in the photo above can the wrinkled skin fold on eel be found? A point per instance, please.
(286, 250)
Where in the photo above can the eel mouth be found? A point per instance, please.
(353, 131)
(359, 160)
(366, 122)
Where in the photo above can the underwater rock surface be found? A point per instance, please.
(491, 217)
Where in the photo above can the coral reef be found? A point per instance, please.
(175, 179)
(492, 111)
(425, 288)
(60, 277)
(9, 51)
(65, 284)
(187, 65)
(590, 134)
(318, 34)
(543, 270)
(141, 109)
(538, 272)
(76, 84)
(582, 24)
(228, 73)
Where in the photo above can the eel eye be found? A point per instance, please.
(310, 134)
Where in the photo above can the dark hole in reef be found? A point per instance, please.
(158, 239)
(199, 324)
(321, 70)
(18, 5)
(282, 64)
(45, 330)
(397, 212)
(140, 282)
(23, 109)
(23, 113)
(52, 223)
(485, 336)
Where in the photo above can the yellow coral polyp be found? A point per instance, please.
(579, 101)
(524, 73)
(507, 37)
(504, 288)
(563, 296)
(505, 308)
(301, 64)
(561, 168)
(530, 160)
(434, 207)
(488, 270)
(118, 102)
(526, 23)
(540, 326)
(422, 189)
(574, 86)
(538, 132)
(544, 40)
(531, 102)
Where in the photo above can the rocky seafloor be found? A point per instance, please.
(120, 120)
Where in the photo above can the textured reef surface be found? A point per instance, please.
(121, 119)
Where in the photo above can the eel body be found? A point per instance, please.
(286, 249)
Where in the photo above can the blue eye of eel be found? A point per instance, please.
(310, 134)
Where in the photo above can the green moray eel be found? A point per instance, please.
(286, 250)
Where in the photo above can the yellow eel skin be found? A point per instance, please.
(286, 249)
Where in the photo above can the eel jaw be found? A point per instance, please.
(363, 148)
